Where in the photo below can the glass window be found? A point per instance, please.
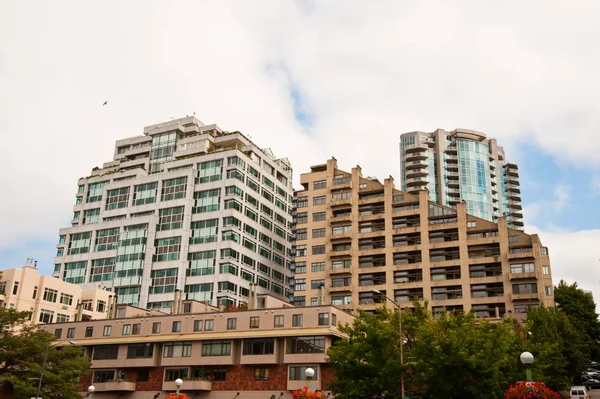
(297, 320)
(231, 323)
(254, 322)
(177, 349)
(173, 189)
(216, 348)
(298, 373)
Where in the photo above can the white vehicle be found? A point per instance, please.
(579, 392)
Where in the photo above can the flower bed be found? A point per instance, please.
(530, 390)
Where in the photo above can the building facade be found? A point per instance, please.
(50, 300)
(188, 207)
(259, 353)
(355, 235)
(462, 165)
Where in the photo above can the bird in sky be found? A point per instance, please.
(105, 102)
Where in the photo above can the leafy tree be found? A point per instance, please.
(581, 310)
(22, 350)
(559, 348)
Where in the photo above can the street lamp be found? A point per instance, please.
(310, 373)
(527, 360)
(44, 366)
(178, 384)
(400, 339)
(91, 390)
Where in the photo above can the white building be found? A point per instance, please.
(188, 207)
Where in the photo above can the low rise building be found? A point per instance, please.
(49, 299)
(260, 352)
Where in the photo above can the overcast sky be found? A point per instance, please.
(311, 80)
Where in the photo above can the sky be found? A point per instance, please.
(310, 80)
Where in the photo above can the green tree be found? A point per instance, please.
(559, 348)
(581, 310)
(22, 350)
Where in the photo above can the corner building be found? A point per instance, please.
(462, 165)
(258, 353)
(185, 206)
(355, 235)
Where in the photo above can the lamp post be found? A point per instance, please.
(178, 384)
(400, 339)
(310, 373)
(91, 390)
(527, 360)
(37, 396)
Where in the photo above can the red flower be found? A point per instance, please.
(530, 390)
(306, 393)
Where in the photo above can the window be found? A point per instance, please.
(176, 327)
(46, 316)
(197, 325)
(94, 193)
(58, 333)
(317, 284)
(319, 216)
(89, 331)
(65, 299)
(300, 250)
(156, 328)
(101, 376)
(50, 295)
(300, 268)
(321, 200)
(254, 321)
(136, 329)
(170, 218)
(91, 216)
(302, 202)
(319, 184)
(260, 346)
(302, 345)
(301, 234)
(261, 374)
(231, 323)
(518, 268)
(208, 325)
(140, 351)
(318, 233)
(145, 194)
(173, 374)
(471, 224)
(209, 171)
(298, 373)
(107, 331)
(318, 249)
(207, 201)
(117, 198)
(216, 348)
(544, 250)
(71, 332)
(177, 349)
(300, 284)
(546, 270)
(143, 375)
(323, 319)
(106, 240)
(297, 320)
(167, 249)
(513, 238)
(548, 290)
(173, 189)
(106, 352)
(317, 267)
(79, 243)
(60, 252)
(302, 218)
(278, 321)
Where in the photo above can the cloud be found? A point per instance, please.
(548, 208)
(573, 257)
(309, 79)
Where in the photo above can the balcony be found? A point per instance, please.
(517, 276)
(415, 181)
(416, 164)
(342, 182)
(525, 296)
(122, 386)
(188, 385)
(341, 288)
(416, 172)
(453, 183)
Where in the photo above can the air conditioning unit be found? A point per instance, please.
(65, 307)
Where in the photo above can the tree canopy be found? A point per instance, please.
(22, 350)
(454, 355)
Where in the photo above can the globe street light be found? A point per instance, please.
(400, 338)
(178, 384)
(310, 373)
(527, 360)
(91, 390)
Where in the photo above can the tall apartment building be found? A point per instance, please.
(355, 235)
(185, 206)
(462, 165)
(50, 300)
(255, 353)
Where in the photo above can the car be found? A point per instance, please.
(579, 392)
(591, 383)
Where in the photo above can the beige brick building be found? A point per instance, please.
(49, 299)
(356, 234)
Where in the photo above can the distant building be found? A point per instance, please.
(355, 235)
(462, 165)
(50, 300)
(185, 206)
(261, 352)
